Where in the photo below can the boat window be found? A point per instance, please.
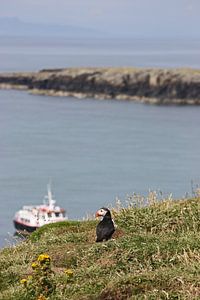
(25, 220)
(49, 215)
(57, 214)
(43, 217)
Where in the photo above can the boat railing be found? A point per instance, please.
(29, 208)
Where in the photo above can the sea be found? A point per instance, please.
(93, 151)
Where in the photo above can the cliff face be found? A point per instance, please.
(159, 86)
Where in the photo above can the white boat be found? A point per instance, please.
(29, 218)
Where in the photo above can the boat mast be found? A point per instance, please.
(51, 201)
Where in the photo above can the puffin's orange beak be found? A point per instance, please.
(97, 214)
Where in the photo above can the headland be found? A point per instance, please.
(152, 86)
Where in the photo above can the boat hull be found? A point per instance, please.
(24, 227)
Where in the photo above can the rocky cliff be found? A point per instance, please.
(156, 86)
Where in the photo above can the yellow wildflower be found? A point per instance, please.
(34, 265)
(41, 297)
(44, 258)
(23, 281)
(69, 272)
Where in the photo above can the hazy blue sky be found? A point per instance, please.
(135, 17)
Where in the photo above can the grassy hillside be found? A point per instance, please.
(155, 254)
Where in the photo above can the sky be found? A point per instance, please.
(120, 17)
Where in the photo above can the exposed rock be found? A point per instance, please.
(155, 86)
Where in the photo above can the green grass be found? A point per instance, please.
(155, 254)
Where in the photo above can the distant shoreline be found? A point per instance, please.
(152, 86)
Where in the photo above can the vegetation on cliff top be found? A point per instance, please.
(155, 254)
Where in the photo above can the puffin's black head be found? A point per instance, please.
(102, 212)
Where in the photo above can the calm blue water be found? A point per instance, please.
(27, 54)
(91, 150)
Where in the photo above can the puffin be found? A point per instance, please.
(106, 226)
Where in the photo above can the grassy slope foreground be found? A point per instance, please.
(155, 255)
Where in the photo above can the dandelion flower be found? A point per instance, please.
(41, 297)
(23, 281)
(44, 258)
(34, 265)
(69, 272)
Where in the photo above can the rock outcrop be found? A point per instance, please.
(155, 86)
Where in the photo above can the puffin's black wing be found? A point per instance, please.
(105, 230)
